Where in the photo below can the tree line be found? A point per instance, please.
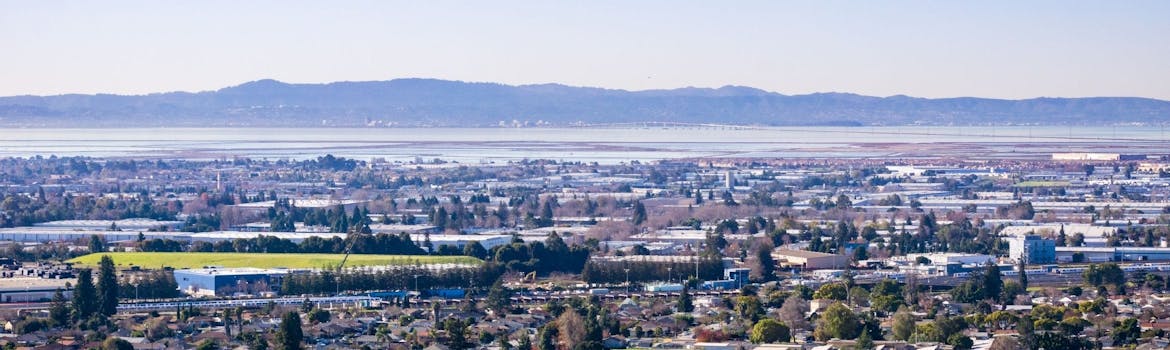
(398, 278)
(608, 271)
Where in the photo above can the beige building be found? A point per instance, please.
(809, 260)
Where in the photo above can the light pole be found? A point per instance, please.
(669, 274)
(696, 267)
(627, 281)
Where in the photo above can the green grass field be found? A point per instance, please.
(260, 260)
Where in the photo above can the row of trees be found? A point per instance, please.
(381, 243)
(24, 210)
(401, 278)
(92, 304)
(606, 271)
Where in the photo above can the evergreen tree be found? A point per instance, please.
(1026, 328)
(684, 300)
(864, 341)
(498, 297)
(992, 282)
(456, 333)
(84, 296)
(59, 311)
(289, 335)
(1061, 237)
(96, 244)
(1023, 275)
(525, 342)
(547, 338)
(639, 213)
(107, 287)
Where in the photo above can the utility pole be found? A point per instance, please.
(697, 267)
(627, 280)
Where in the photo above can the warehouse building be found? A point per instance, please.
(228, 282)
(809, 260)
(1032, 248)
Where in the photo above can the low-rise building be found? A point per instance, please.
(225, 282)
(809, 260)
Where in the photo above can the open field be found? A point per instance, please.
(261, 260)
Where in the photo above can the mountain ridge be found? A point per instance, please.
(436, 102)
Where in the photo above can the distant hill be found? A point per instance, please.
(430, 102)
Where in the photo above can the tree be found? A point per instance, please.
(1006, 343)
(685, 303)
(589, 345)
(639, 213)
(318, 316)
(1010, 290)
(769, 331)
(84, 296)
(1023, 275)
(107, 287)
(960, 341)
(548, 338)
(763, 265)
(1026, 329)
(498, 297)
(475, 250)
(838, 322)
(59, 311)
(864, 341)
(525, 342)
(1126, 332)
(570, 328)
(290, 334)
(96, 244)
(992, 282)
(115, 343)
(1102, 274)
(834, 291)
(456, 332)
(1051, 340)
(748, 307)
(793, 311)
(903, 326)
(207, 344)
(886, 296)
(860, 254)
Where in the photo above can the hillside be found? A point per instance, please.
(429, 102)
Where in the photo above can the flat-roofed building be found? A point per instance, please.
(1033, 249)
(226, 282)
(810, 260)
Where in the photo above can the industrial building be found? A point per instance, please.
(1103, 254)
(1033, 249)
(1097, 156)
(487, 241)
(227, 282)
(809, 260)
(32, 290)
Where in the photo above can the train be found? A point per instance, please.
(1071, 270)
(245, 302)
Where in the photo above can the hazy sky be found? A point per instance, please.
(1004, 49)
